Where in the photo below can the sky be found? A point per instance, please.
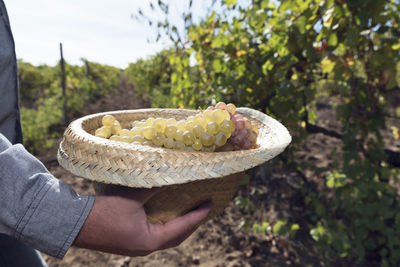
(101, 31)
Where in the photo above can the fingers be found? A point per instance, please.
(177, 230)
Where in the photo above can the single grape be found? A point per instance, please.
(238, 117)
(158, 139)
(124, 132)
(171, 121)
(140, 124)
(197, 144)
(212, 127)
(246, 132)
(220, 139)
(207, 139)
(210, 108)
(108, 120)
(247, 123)
(188, 138)
(138, 138)
(116, 128)
(198, 130)
(169, 142)
(136, 131)
(200, 120)
(149, 121)
(190, 125)
(227, 127)
(240, 124)
(104, 131)
(159, 125)
(221, 105)
(239, 138)
(179, 145)
(217, 115)
(247, 144)
(207, 115)
(233, 119)
(231, 108)
(148, 132)
(170, 131)
(181, 125)
(179, 135)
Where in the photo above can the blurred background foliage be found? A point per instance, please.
(42, 101)
(280, 57)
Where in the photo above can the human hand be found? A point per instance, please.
(118, 224)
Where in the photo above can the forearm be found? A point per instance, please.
(36, 208)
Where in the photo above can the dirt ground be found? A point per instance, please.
(221, 241)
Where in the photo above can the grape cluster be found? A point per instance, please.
(217, 128)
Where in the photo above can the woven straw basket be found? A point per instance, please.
(192, 177)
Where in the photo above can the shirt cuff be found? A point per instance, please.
(54, 218)
(36, 208)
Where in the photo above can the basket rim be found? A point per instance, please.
(280, 134)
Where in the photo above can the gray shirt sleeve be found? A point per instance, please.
(35, 207)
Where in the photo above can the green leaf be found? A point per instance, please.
(279, 227)
(318, 232)
(330, 182)
(396, 46)
(230, 3)
(219, 41)
(301, 24)
(327, 65)
(333, 40)
(293, 229)
(285, 5)
(217, 65)
(340, 49)
(267, 66)
(174, 77)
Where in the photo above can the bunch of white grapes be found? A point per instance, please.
(217, 128)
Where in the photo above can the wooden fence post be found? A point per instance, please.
(66, 121)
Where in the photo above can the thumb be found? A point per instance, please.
(174, 232)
